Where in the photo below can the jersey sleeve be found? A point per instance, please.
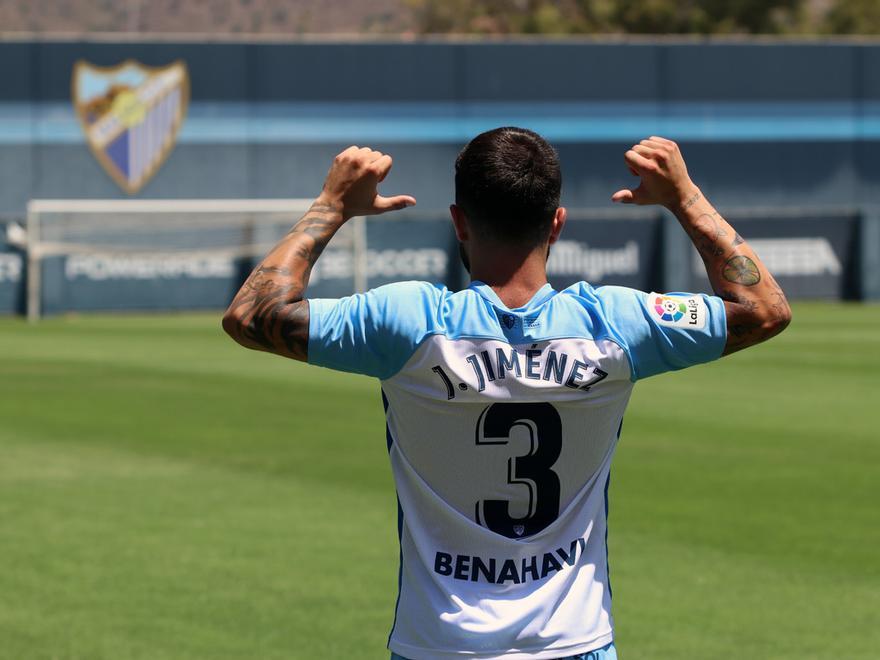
(665, 332)
(372, 333)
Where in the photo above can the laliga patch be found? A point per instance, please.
(678, 311)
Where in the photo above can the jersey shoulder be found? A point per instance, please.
(660, 332)
(377, 332)
(373, 333)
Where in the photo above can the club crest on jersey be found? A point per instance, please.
(131, 115)
(509, 320)
(519, 530)
(678, 311)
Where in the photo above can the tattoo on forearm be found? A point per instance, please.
(707, 234)
(294, 329)
(262, 301)
(315, 226)
(740, 269)
(757, 319)
(780, 305)
(732, 296)
(756, 308)
(270, 303)
(265, 270)
(741, 330)
(310, 255)
(322, 208)
(690, 202)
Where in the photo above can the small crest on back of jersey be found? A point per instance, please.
(678, 311)
(131, 115)
(509, 320)
(519, 530)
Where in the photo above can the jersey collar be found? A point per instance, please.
(541, 295)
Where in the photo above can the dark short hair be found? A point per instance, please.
(508, 182)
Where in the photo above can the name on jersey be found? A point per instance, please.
(471, 568)
(533, 364)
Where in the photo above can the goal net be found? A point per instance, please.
(167, 254)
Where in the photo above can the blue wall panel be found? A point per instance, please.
(782, 126)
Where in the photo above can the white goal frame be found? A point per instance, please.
(37, 250)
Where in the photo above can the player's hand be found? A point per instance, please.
(352, 182)
(664, 176)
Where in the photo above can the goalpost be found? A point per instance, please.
(171, 239)
(176, 255)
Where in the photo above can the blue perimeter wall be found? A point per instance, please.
(762, 124)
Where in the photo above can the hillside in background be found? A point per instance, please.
(417, 17)
(290, 17)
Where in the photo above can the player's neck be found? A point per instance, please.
(514, 278)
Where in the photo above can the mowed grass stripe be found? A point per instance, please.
(166, 558)
(165, 494)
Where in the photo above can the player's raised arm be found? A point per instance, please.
(756, 305)
(269, 312)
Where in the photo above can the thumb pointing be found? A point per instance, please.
(623, 196)
(383, 204)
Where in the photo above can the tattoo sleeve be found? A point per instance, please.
(755, 304)
(269, 313)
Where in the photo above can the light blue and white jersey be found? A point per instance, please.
(501, 425)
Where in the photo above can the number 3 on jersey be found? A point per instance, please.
(534, 470)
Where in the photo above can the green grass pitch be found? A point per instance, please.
(167, 494)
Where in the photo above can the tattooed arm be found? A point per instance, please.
(269, 312)
(756, 306)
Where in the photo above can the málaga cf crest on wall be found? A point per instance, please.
(131, 115)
